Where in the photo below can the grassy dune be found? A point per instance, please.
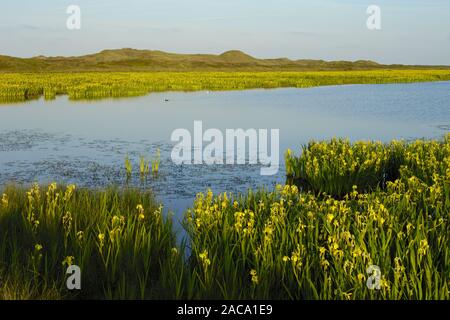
(153, 60)
(23, 86)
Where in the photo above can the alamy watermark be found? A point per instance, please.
(73, 22)
(374, 280)
(73, 281)
(374, 20)
(230, 148)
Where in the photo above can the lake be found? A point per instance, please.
(85, 142)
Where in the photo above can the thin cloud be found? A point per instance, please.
(308, 34)
(20, 27)
(223, 18)
(138, 25)
(29, 27)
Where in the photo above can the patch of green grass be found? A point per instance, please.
(128, 167)
(286, 243)
(97, 85)
(144, 168)
(156, 162)
(336, 166)
(119, 239)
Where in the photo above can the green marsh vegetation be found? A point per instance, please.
(389, 207)
(156, 162)
(128, 167)
(97, 85)
(297, 244)
(119, 239)
(144, 166)
(334, 167)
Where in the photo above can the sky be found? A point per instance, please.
(412, 31)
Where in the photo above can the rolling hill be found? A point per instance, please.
(152, 60)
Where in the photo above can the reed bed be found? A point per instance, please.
(290, 245)
(97, 85)
(286, 243)
(334, 167)
(293, 244)
(119, 239)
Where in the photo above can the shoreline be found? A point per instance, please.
(17, 87)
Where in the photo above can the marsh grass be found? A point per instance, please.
(286, 243)
(144, 167)
(156, 162)
(119, 239)
(334, 167)
(98, 85)
(290, 245)
(128, 167)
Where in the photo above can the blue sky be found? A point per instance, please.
(413, 32)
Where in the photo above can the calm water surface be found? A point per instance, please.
(85, 142)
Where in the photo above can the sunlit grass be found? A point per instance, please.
(156, 162)
(335, 166)
(391, 208)
(285, 243)
(293, 244)
(128, 167)
(144, 167)
(96, 85)
(119, 239)
(300, 246)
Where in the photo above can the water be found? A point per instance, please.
(85, 142)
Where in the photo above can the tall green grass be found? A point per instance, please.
(334, 167)
(119, 239)
(156, 162)
(97, 85)
(387, 205)
(286, 243)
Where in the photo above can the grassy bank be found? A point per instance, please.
(23, 86)
(387, 206)
(119, 239)
(293, 244)
(334, 167)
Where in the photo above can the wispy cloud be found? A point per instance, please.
(138, 25)
(223, 18)
(308, 34)
(28, 27)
